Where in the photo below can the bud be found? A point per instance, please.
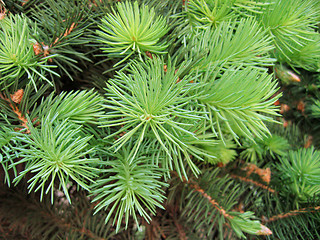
(264, 231)
(286, 75)
(17, 96)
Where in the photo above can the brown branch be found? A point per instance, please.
(161, 232)
(264, 174)
(82, 230)
(213, 202)
(16, 98)
(42, 49)
(292, 213)
(66, 33)
(179, 227)
(253, 182)
(182, 234)
(60, 222)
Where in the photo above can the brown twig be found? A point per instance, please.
(263, 231)
(16, 99)
(66, 33)
(179, 227)
(264, 174)
(82, 230)
(253, 182)
(213, 202)
(45, 49)
(292, 213)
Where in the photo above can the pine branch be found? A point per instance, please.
(198, 210)
(300, 170)
(292, 213)
(233, 43)
(213, 202)
(16, 99)
(244, 179)
(129, 185)
(180, 229)
(239, 100)
(29, 217)
(16, 52)
(63, 30)
(56, 153)
(132, 29)
(151, 105)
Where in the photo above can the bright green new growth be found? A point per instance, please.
(300, 170)
(58, 152)
(224, 152)
(240, 101)
(152, 104)
(292, 25)
(132, 29)
(273, 146)
(80, 107)
(236, 43)
(243, 222)
(7, 153)
(161, 124)
(129, 186)
(210, 13)
(17, 57)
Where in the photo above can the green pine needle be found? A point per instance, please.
(233, 43)
(151, 104)
(300, 170)
(240, 101)
(132, 29)
(292, 26)
(129, 186)
(17, 57)
(80, 107)
(57, 155)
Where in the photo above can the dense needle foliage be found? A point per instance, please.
(147, 119)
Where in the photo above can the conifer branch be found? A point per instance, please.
(292, 213)
(238, 222)
(264, 174)
(112, 149)
(179, 227)
(68, 226)
(16, 98)
(82, 231)
(65, 34)
(197, 188)
(244, 179)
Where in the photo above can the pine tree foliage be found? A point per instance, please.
(133, 179)
(211, 13)
(17, 55)
(8, 154)
(220, 46)
(293, 29)
(158, 119)
(56, 151)
(300, 172)
(62, 32)
(132, 29)
(210, 215)
(153, 104)
(51, 221)
(242, 115)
